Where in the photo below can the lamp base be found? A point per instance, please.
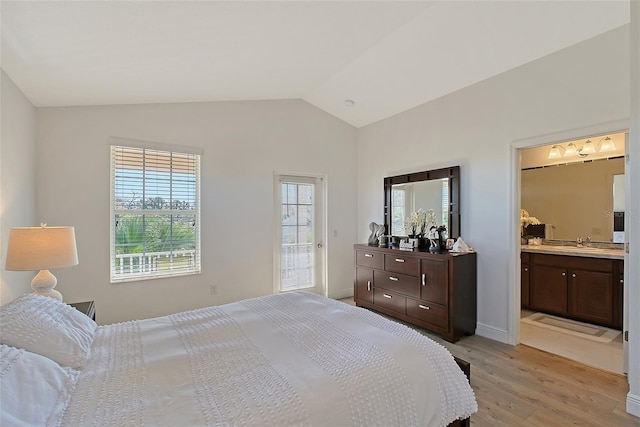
(43, 284)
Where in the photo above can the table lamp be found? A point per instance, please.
(42, 248)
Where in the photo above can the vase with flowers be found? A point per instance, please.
(418, 224)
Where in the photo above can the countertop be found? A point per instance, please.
(589, 252)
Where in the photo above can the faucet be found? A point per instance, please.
(579, 242)
(587, 241)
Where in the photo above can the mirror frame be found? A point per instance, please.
(453, 173)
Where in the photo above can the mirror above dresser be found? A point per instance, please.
(437, 190)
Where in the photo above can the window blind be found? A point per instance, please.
(155, 213)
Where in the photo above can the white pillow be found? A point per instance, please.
(34, 390)
(47, 327)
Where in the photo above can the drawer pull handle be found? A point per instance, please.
(424, 307)
(573, 275)
(564, 274)
(526, 269)
(369, 285)
(395, 279)
(387, 296)
(368, 255)
(399, 260)
(424, 279)
(621, 280)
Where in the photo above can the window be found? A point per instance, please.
(398, 213)
(155, 213)
(444, 196)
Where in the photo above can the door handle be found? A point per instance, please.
(319, 245)
(369, 285)
(424, 279)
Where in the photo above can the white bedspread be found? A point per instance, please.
(282, 360)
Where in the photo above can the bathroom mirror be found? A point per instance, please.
(437, 189)
(576, 199)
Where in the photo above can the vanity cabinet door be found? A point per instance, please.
(434, 280)
(524, 280)
(548, 289)
(592, 295)
(364, 284)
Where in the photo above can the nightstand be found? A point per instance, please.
(86, 307)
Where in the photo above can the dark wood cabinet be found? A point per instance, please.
(591, 296)
(581, 288)
(548, 289)
(434, 291)
(363, 285)
(524, 279)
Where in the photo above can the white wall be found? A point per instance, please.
(474, 128)
(17, 179)
(632, 268)
(244, 143)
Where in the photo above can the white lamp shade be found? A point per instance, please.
(588, 148)
(556, 152)
(41, 248)
(607, 144)
(572, 150)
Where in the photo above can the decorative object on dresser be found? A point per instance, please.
(377, 230)
(436, 291)
(42, 248)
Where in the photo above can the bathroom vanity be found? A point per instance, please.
(584, 284)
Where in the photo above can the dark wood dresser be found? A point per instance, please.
(434, 291)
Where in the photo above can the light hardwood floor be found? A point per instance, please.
(523, 386)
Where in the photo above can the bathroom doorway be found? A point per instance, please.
(565, 318)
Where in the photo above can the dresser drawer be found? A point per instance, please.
(370, 259)
(408, 285)
(389, 300)
(428, 312)
(402, 264)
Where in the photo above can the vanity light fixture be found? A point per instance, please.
(571, 150)
(587, 148)
(606, 144)
(557, 151)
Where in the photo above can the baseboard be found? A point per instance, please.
(492, 333)
(341, 293)
(633, 404)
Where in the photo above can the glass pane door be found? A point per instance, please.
(299, 232)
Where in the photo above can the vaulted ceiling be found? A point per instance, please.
(386, 57)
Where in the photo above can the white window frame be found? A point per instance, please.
(152, 274)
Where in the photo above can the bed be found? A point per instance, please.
(295, 359)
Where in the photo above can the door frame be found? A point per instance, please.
(514, 297)
(322, 274)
